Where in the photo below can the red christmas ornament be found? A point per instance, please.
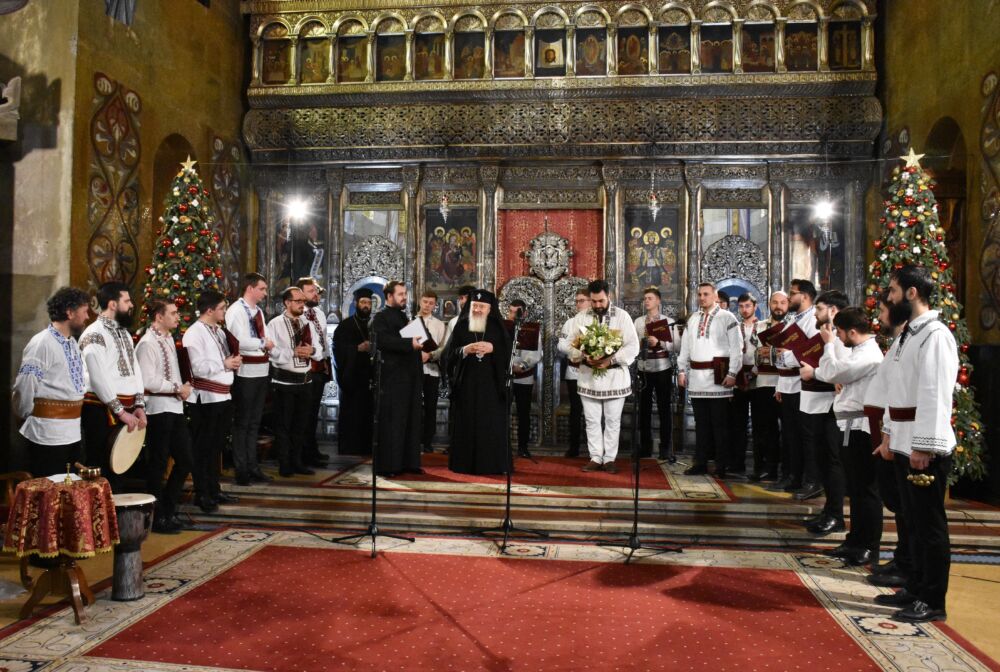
(206, 271)
(178, 343)
(913, 221)
(952, 326)
(171, 254)
(204, 192)
(218, 273)
(944, 265)
(165, 243)
(216, 237)
(192, 190)
(898, 265)
(891, 248)
(891, 225)
(180, 301)
(183, 271)
(204, 232)
(903, 246)
(878, 244)
(908, 200)
(964, 347)
(876, 327)
(183, 207)
(870, 303)
(191, 247)
(939, 238)
(963, 379)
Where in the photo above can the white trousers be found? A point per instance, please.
(603, 445)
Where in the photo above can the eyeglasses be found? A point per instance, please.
(296, 300)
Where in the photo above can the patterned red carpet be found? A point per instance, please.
(544, 472)
(290, 608)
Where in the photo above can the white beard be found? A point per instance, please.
(477, 324)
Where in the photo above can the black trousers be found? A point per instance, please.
(661, 385)
(522, 401)
(828, 462)
(97, 432)
(249, 395)
(924, 513)
(48, 460)
(290, 404)
(806, 454)
(432, 384)
(764, 411)
(167, 436)
(738, 430)
(310, 451)
(209, 425)
(791, 437)
(889, 491)
(575, 417)
(861, 472)
(711, 430)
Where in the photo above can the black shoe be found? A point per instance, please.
(808, 491)
(843, 551)
(428, 450)
(285, 473)
(768, 476)
(260, 477)
(780, 484)
(696, 470)
(165, 526)
(793, 486)
(418, 470)
(901, 599)
(859, 557)
(524, 452)
(593, 465)
(226, 498)
(755, 477)
(890, 567)
(206, 504)
(920, 612)
(610, 467)
(827, 525)
(181, 523)
(812, 520)
(304, 470)
(243, 480)
(572, 453)
(886, 580)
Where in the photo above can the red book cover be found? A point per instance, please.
(661, 330)
(788, 338)
(768, 336)
(810, 351)
(184, 364)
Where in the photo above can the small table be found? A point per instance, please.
(65, 522)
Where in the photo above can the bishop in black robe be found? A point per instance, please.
(400, 414)
(479, 440)
(354, 375)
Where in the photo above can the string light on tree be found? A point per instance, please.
(913, 235)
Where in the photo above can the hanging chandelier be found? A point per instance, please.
(443, 207)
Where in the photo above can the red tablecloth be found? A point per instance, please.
(50, 519)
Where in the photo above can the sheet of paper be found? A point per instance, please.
(59, 478)
(414, 330)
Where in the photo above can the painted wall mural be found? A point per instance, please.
(450, 249)
(113, 198)
(230, 218)
(651, 253)
(582, 228)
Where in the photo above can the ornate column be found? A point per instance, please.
(571, 51)
(853, 239)
(693, 186)
(331, 77)
(370, 57)
(612, 49)
(652, 58)
(738, 46)
(293, 61)
(779, 200)
(334, 275)
(488, 53)
(779, 45)
(695, 47)
(408, 75)
(611, 175)
(256, 61)
(529, 52)
(867, 44)
(449, 41)
(411, 184)
(485, 258)
(824, 44)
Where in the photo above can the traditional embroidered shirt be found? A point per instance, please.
(811, 402)
(110, 363)
(51, 368)
(853, 368)
(707, 336)
(437, 330)
(617, 381)
(246, 323)
(317, 319)
(919, 372)
(655, 361)
(286, 331)
(207, 350)
(565, 340)
(527, 359)
(161, 374)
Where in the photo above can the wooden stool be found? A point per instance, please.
(66, 576)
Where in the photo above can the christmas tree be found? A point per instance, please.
(186, 253)
(913, 235)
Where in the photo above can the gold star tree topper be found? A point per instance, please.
(189, 164)
(912, 159)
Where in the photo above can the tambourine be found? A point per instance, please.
(125, 448)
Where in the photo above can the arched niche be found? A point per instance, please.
(314, 53)
(946, 160)
(275, 54)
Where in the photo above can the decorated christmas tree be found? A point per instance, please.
(913, 235)
(186, 252)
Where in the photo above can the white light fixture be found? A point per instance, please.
(297, 209)
(444, 208)
(823, 210)
(653, 200)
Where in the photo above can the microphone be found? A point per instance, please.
(519, 315)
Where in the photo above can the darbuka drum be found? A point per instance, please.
(135, 520)
(125, 448)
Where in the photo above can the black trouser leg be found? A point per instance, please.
(721, 413)
(646, 416)
(764, 422)
(915, 577)
(889, 492)
(310, 452)
(522, 400)
(661, 385)
(97, 442)
(739, 414)
(431, 386)
(284, 398)
(167, 436)
(209, 424)
(930, 529)
(830, 466)
(48, 460)
(702, 431)
(575, 417)
(249, 395)
(791, 437)
(811, 429)
(861, 471)
(299, 424)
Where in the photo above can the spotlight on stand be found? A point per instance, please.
(297, 209)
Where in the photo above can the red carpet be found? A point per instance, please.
(547, 472)
(289, 608)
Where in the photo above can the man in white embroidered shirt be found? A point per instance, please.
(322, 371)
(432, 366)
(48, 390)
(525, 369)
(168, 435)
(114, 383)
(711, 356)
(604, 395)
(654, 366)
(245, 321)
(916, 386)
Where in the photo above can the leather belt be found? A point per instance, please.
(849, 415)
(903, 414)
(789, 373)
(290, 377)
(817, 386)
(662, 354)
(206, 385)
(128, 400)
(701, 365)
(255, 359)
(766, 370)
(57, 409)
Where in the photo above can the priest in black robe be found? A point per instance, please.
(477, 357)
(352, 354)
(401, 380)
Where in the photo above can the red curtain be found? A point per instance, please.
(582, 228)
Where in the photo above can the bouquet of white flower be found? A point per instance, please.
(598, 341)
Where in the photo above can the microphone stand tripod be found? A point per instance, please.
(632, 542)
(507, 525)
(373, 531)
